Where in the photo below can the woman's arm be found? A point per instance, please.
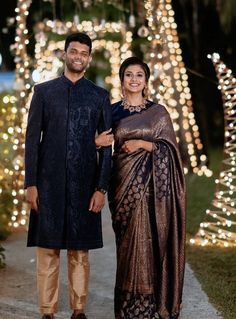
(105, 138)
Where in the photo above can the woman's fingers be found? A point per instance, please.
(125, 147)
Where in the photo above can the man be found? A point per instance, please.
(66, 179)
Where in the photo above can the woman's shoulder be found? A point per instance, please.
(159, 107)
(116, 104)
(116, 107)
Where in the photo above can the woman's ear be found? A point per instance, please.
(123, 93)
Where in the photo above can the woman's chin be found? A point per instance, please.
(134, 90)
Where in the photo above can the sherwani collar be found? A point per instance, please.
(70, 83)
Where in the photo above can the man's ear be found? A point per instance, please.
(63, 55)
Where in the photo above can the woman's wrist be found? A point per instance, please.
(146, 145)
(140, 144)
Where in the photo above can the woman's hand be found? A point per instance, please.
(106, 138)
(131, 146)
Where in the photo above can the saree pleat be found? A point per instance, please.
(148, 212)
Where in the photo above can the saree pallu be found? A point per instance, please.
(147, 202)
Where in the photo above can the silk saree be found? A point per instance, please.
(147, 203)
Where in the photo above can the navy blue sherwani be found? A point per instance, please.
(62, 161)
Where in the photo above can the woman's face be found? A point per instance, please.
(134, 79)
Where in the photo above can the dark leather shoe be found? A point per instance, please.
(47, 317)
(78, 316)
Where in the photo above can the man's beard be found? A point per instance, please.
(79, 69)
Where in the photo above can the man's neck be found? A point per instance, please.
(73, 77)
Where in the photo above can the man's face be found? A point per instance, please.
(77, 57)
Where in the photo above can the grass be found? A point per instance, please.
(215, 267)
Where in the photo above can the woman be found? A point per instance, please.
(147, 202)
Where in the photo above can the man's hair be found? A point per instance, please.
(79, 37)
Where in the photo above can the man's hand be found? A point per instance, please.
(97, 202)
(32, 197)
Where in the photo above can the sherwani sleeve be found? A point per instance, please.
(104, 152)
(32, 140)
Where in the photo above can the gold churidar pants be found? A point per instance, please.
(48, 262)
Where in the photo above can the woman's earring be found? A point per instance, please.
(145, 92)
(123, 93)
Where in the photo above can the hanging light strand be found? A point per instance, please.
(220, 227)
(22, 87)
(169, 83)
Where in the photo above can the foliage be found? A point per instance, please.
(2, 257)
(5, 213)
(6, 156)
(226, 11)
(215, 268)
(66, 10)
(200, 192)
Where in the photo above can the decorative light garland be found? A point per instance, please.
(22, 88)
(169, 83)
(46, 51)
(48, 63)
(220, 227)
(7, 119)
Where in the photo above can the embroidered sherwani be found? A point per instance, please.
(62, 161)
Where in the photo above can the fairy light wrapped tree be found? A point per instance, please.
(169, 83)
(219, 227)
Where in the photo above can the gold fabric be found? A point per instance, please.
(48, 262)
(147, 201)
(78, 274)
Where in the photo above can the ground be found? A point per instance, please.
(18, 297)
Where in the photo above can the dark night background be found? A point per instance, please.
(200, 32)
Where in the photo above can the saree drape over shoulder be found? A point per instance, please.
(147, 201)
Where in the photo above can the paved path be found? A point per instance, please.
(18, 285)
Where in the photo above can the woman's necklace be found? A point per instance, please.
(133, 108)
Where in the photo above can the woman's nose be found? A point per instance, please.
(133, 78)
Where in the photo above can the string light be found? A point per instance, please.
(220, 227)
(169, 83)
(48, 61)
(22, 88)
(171, 79)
